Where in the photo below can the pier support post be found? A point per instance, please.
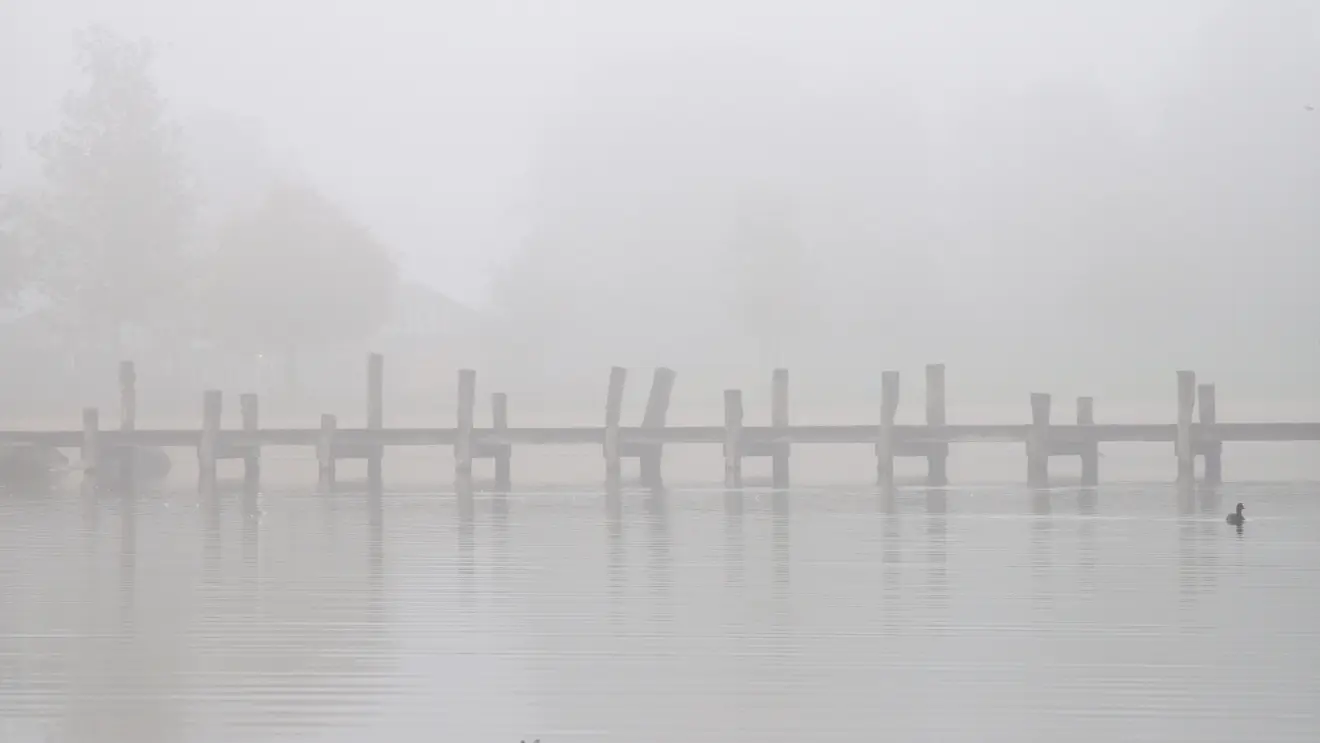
(325, 450)
(1183, 442)
(249, 410)
(884, 447)
(1038, 442)
(499, 411)
(208, 448)
(779, 420)
(733, 419)
(127, 453)
(375, 414)
(91, 442)
(1211, 447)
(937, 462)
(613, 416)
(1091, 448)
(657, 412)
(467, 401)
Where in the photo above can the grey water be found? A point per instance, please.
(1130, 612)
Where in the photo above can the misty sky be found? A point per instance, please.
(426, 118)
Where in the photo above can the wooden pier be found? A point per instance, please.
(1191, 437)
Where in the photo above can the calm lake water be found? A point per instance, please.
(1127, 613)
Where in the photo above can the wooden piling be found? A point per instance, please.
(499, 410)
(249, 410)
(208, 447)
(375, 412)
(91, 441)
(937, 462)
(779, 420)
(657, 412)
(1090, 450)
(733, 421)
(127, 419)
(1038, 442)
(884, 448)
(613, 416)
(325, 449)
(1212, 451)
(1183, 440)
(467, 400)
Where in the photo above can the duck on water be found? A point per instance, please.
(1236, 519)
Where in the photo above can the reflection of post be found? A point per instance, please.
(210, 441)
(779, 420)
(657, 412)
(1091, 447)
(249, 409)
(127, 421)
(884, 448)
(467, 400)
(375, 414)
(499, 410)
(1211, 447)
(325, 451)
(938, 460)
(1183, 443)
(613, 414)
(733, 415)
(1038, 442)
(91, 442)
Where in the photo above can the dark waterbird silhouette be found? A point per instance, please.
(1236, 519)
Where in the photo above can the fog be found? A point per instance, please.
(1073, 199)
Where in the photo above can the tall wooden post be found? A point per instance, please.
(499, 410)
(937, 462)
(1211, 446)
(613, 416)
(1038, 442)
(249, 410)
(91, 442)
(209, 446)
(127, 421)
(733, 419)
(1183, 442)
(884, 447)
(375, 414)
(1091, 449)
(467, 401)
(657, 412)
(779, 420)
(325, 450)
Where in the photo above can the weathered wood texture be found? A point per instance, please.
(1202, 437)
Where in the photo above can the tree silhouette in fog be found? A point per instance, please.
(293, 273)
(110, 220)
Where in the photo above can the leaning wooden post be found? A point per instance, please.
(325, 449)
(657, 412)
(127, 420)
(208, 448)
(499, 409)
(1183, 442)
(937, 462)
(1090, 447)
(1211, 447)
(467, 401)
(375, 414)
(884, 446)
(91, 441)
(779, 421)
(613, 415)
(733, 415)
(249, 410)
(1038, 442)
